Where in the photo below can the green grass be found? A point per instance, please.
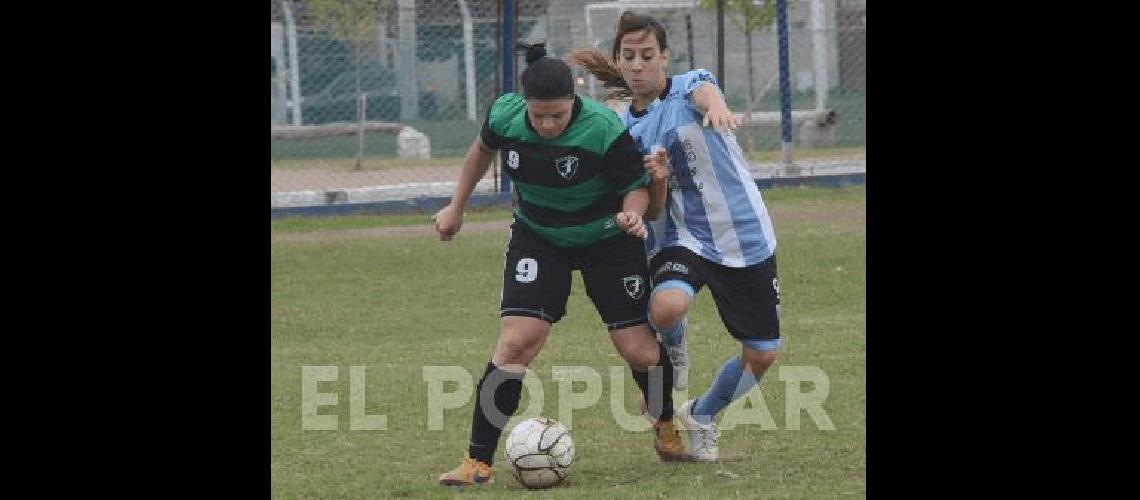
(301, 223)
(396, 305)
(805, 154)
(808, 196)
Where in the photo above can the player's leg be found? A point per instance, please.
(652, 371)
(675, 282)
(616, 279)
(748, 302)
(536, 284)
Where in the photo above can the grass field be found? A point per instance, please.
(395, 305)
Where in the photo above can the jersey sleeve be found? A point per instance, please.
(695, 78)
(624, 168)
(498, 118)
(488, 135)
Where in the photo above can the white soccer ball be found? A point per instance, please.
(539, 452)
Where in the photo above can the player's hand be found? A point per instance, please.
(720, 118)
(448, 220)
(657, 164)
(631, 223)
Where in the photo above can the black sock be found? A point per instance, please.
(661, 403)
(486, 429)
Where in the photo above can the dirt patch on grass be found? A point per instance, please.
(390, 231)
(782, 214)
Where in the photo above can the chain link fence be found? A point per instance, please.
(377, 100)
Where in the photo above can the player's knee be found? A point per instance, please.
(641, 362)
(757, 361)
(667, 308)
(512, 353)
(518, 345)
(641, 359)
(515, 353)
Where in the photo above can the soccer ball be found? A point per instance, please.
(539, 451)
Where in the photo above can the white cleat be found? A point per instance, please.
(702, 438)
(679, 355)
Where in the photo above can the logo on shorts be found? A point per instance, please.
(513, 159)
(566, 166)
(634, 286)
(776, 288)
(676, 267)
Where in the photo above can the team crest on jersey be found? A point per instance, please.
(566, 166)
(513, 159)
(634, 286)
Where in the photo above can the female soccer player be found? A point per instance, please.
(580, 188)
(716, 230)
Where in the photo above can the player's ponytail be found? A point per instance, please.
(596, 63)
(545, 77)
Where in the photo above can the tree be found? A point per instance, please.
(355, 23)
(750, 18)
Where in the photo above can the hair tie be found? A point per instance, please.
(534, 51)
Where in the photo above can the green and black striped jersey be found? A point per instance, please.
(567, 189)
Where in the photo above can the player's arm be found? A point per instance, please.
(449, 219)
(633, 206)
(475, 164)
(710, 102)
(627, 172)
(657, 166)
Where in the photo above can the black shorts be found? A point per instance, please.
(747, 298)
(536, 278)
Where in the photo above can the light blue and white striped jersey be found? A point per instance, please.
(714, 207)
